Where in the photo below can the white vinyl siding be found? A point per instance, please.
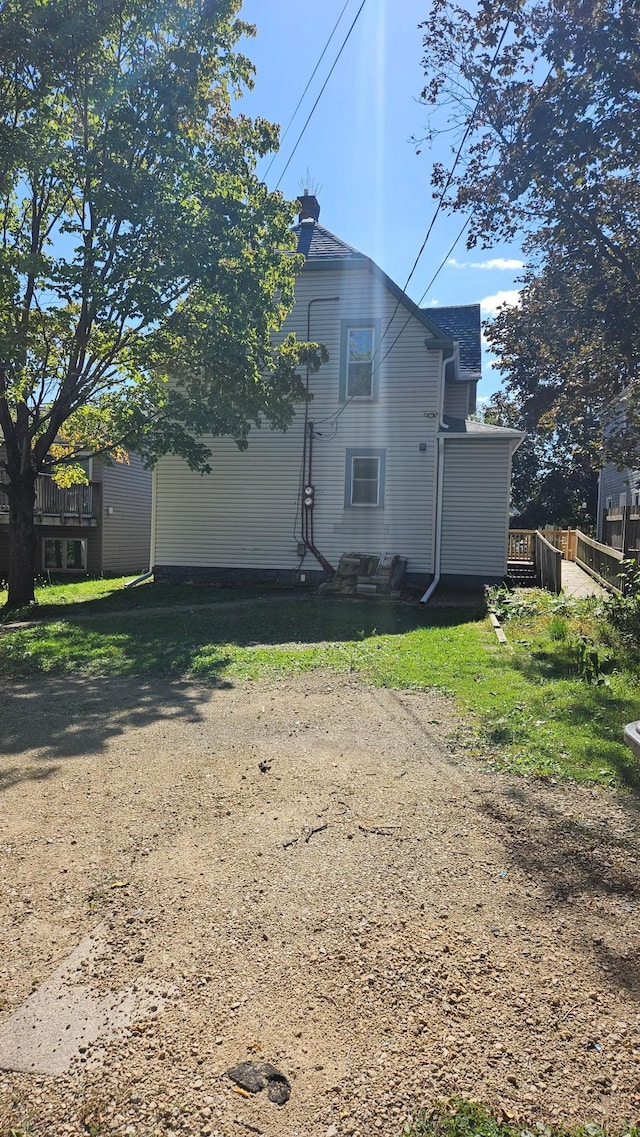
(244, 513)
(475, 500)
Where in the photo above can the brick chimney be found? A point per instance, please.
(309, 208)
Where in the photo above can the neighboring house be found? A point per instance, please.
(618, 521)
(392, 462)
(103, 527)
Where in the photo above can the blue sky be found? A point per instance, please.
(374, 190)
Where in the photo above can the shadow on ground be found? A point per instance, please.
(182, 641)
(568, 858)
(64, 717)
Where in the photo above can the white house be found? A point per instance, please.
(384, 459)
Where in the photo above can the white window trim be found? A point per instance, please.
(369, 453)
(367, 395)
(64, 541)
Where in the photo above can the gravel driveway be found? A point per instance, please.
(317, 875)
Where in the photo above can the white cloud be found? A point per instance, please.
(432, 303)
(489, 304)
(501, 263)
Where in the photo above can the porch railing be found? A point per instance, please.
(600, 561)
(74, 501)
(522, 542)
(548, 563)
(81, 502)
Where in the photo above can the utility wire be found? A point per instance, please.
(448, 254)
(334, 418)
(322, 89)
(451, 171)
(311, 78)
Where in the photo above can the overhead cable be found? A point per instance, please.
(311, 78)
(322, 90)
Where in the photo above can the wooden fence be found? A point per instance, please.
(621, 529)
(600, 561)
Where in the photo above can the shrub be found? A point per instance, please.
(622, 616)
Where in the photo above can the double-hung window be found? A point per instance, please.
(364, 480)
(359, 360)
(360, 345)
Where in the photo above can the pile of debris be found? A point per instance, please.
(364, 574)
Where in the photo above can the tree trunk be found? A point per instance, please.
(22, 541)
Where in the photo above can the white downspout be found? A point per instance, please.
(439, 488)
(152, 542)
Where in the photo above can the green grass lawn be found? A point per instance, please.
(525, 709)
(108, 594)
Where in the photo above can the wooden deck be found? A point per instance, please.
(576, 582)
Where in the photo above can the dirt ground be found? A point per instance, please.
(315, 874)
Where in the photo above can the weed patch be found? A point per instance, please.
(461, 1118)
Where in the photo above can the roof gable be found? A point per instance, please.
(322, 249)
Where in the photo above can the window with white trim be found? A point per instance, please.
(359, 364)
(364, 482)
(359, 360)
(64, 554)
(609, 503)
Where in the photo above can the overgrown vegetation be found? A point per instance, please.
(554, 706)
(622, 618)
(461, 1118)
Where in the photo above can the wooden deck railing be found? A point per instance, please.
(76, 501)
(600, 561)
(521, 543)
(81, 502)
(548, 562)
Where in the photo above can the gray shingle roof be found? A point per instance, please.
(317, 242)
(462, 323)
(482, 429)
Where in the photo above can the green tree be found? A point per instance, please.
(143, 267)
(554, 482)
(546, 96)
(568, 354)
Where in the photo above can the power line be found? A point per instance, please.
(431, 282)
(451, 173)
(334, 418)
(311, 78)
(322, 89)
(467, 222)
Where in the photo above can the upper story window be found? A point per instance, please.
(360, 346)
(359, 360)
